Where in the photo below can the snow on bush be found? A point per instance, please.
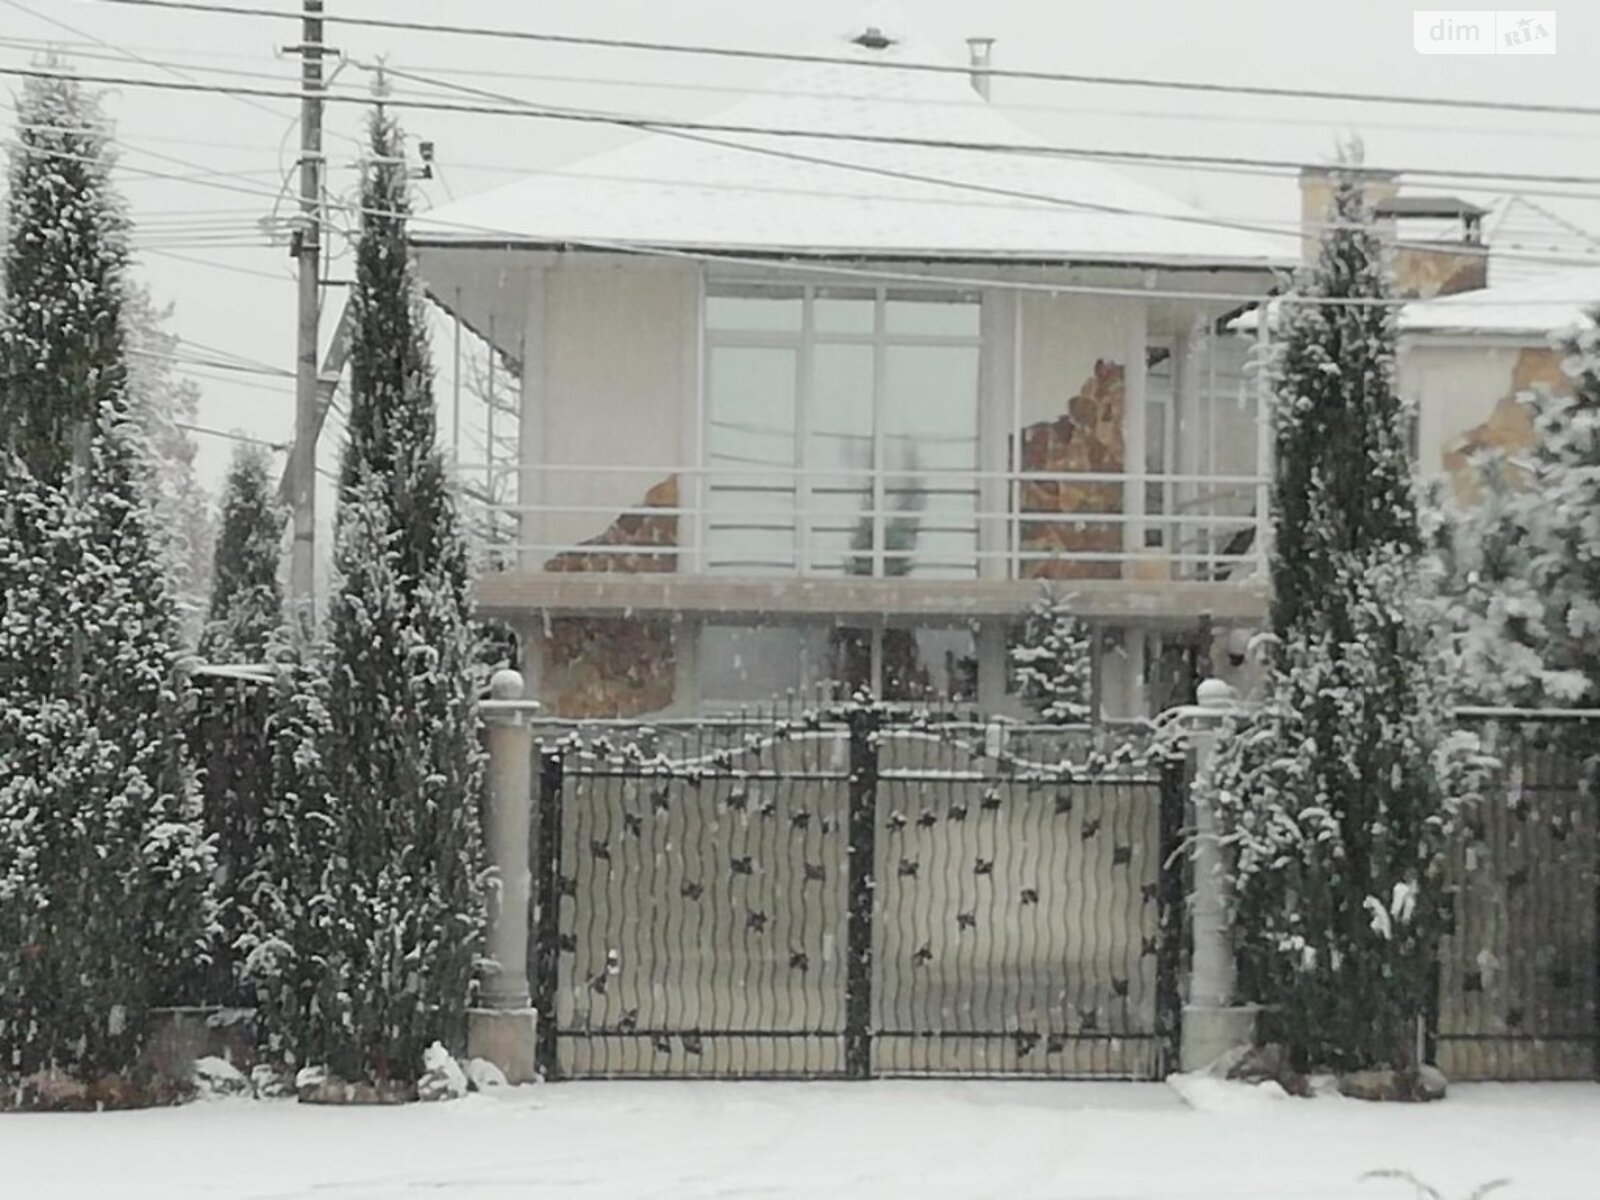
(1050, 662)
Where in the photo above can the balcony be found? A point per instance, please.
(762, 539)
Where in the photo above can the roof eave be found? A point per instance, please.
(842, 255)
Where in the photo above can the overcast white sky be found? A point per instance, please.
(241, 299)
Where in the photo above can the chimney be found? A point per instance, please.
(1443, 250)
(1316, 199)
(979, 50)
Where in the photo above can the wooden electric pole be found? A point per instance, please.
(308, 253)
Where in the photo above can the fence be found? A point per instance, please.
(867, 892)
(856, 896)
(1520, 966)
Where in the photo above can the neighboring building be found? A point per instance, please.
(1486, 318)
(1466, 358)
(803, 412)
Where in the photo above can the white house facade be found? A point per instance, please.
(810, 401)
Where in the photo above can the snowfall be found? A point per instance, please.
(1194, 1139)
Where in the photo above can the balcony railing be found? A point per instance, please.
(928, 523)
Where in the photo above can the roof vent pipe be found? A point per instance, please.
(980, 48)
(873, 38)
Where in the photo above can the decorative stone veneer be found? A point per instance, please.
(1086, 438)
(615, 666)
(1509, 427)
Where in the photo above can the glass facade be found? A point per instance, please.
(842, 431)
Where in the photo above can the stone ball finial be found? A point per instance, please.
(1214, 693)
(506, 684)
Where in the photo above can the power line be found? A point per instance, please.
(942, 181)
(822, 268)
(700, 50)
(654, 124)
(232, 268)
(129, 54)
(237, 437)
(702, 86)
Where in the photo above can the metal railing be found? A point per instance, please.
(939, 523)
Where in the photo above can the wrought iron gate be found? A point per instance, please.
(854, 895)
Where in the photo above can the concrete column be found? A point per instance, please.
(1213, 1021)
(506, 823)
(503, 1030)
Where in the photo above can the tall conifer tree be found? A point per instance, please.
(396, 932)
(1340, 796)
(104, 873)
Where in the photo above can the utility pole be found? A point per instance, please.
(308, 253)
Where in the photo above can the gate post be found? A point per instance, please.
(1171, 891)
(861, 856)
(502, 1031)
(545, 932)
(1213, 1023)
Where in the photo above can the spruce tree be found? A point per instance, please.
(1340, 797)
(389, 901)
(104, 872)
(1050, 662)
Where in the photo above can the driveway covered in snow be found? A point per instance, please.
(822, 1140)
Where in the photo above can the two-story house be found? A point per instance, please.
(820, 392)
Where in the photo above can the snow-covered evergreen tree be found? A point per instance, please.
(1050, 661)
(104, 873)
(387, 903)
(246, 614)
(1521, 561)
(1340, 796)
(1343, 471)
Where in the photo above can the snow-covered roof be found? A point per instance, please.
(1533, 308)
(764, 194)
(1527, 241)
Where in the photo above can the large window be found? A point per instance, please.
(842, 431)
(750, 664)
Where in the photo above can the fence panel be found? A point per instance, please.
(1519, 966)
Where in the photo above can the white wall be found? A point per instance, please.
(612, 379)
(1455, 387)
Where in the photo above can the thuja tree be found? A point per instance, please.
(246, 609)
(1051, 661)
(1340, 796)
(390, 895)
(234, 728)
(104, 872)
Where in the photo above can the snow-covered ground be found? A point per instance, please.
(823, 1140)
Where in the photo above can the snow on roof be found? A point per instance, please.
(1528, 241)
(1536, 307)
(737, 192)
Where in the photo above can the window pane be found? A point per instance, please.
(750, 448)
(838, 457)
(752, 664)
(930, 664)
(930, 445)
(768, 312)
(952, 315)
(840, 310)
